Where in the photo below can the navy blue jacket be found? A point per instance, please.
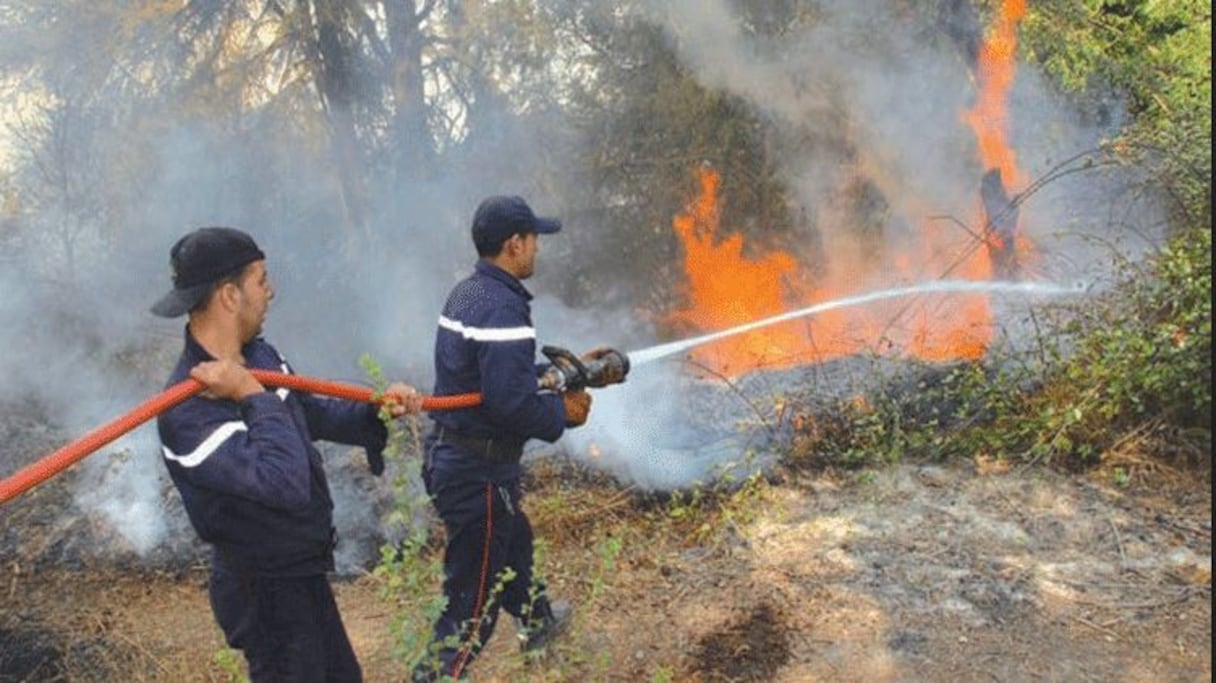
(486, 343)
(250, 478)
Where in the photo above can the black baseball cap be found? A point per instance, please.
(499, 217)
(199, 260)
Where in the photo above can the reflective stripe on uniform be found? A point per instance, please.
(208, 446)
(484, 334)
(282, 392)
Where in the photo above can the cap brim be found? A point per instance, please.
(178, 302)
(547, 225)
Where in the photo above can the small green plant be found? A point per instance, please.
(684, 504)
(740, 506)
(662, 675)
(410, 573)
(231, 663)
(1120, 477)
(609, 550)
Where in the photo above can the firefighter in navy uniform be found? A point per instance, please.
(250, 478)
(486, 343)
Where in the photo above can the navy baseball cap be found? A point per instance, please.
(199, 260)
(499, 217)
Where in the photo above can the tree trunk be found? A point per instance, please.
(334, 57)
(413, 146)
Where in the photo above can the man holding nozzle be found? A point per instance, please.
(486, 343)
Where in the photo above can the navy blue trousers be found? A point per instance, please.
(288, 628)
(487, 533)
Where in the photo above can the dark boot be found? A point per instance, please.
(548, 621)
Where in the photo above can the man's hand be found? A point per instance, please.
(595, 354)
(610, 374)
(398, 399)
(578, 406)
(226, 379)
(402, 399)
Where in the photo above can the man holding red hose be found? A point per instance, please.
(243, 460)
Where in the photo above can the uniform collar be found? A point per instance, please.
(484, 267)
(194, 350)
(197, 354)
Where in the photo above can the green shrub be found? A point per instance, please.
(1143, 355)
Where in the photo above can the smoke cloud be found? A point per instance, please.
(880, 95)
(877, 93)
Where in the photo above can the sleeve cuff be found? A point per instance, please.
(258, 403)
(376, 444)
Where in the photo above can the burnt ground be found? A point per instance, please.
(916, 572)
(913, 573)
(935, 574)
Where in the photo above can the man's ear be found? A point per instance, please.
(512, 245)
(229, 295)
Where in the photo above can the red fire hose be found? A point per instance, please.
(39, 471)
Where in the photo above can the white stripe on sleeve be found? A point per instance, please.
(208, 446)
(487, 334)
(283, 391)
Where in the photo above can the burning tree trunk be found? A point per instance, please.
(996, 65)
(1000, 225)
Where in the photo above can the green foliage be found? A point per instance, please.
(1158, 55)
(474, 634)
(707, 515)
(1115, 366)
(643, 125)
(232, 664)
(1144, 355)
(410, 573)
(929, 412)
(608, 549)
(867, 478)
(663, 675)
(1128, 43)
(874, 434)
(1135, 361)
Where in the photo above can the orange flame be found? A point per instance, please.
(996, 65)
(989, 117)
(725, 288)
(728, 289)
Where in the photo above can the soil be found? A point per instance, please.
(920, 572)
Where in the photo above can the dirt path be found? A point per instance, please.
(917, 573)
(934, 574)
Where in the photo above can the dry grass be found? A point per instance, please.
(915, 573)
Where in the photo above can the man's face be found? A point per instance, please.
(256, 293)
(528, 248)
